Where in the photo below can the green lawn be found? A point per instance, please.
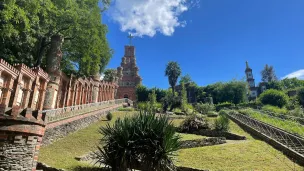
(61, 154)
(251, 154)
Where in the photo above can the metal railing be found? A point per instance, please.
(291, 141)
(54, 115)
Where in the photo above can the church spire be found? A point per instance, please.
(247, 66)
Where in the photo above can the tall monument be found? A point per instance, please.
(128, 71)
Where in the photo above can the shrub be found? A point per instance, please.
(204, 108)
(144, 142)
(224, 105)
(109, 116)
(274, 98)
(275, 109)
(251, 104)
(194, 123)
(298, 112)
(125, 109)
(142, 105)
(222, 123)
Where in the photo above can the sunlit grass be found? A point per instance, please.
(286, 125)
(61, 153)
(250, 154)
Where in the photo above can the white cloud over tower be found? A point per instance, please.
(297, 74)
(147, 17)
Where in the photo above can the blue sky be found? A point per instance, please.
(210, 39)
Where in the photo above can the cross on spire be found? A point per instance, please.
(130, 37)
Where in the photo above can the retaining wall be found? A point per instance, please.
(60, 129)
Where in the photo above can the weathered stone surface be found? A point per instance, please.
(19, 152)
(202, 142)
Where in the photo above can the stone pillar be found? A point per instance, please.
(20, 139)
(7, 92)
(95, 93)
(54, 57)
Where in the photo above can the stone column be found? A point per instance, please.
(35, 94)
(27, 94)
(20, 139)
(7, 92)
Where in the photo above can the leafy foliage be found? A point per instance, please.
(204, 108)
(194, 123)
(142, 93)
(273, 97)
(268, 74)
(224, 105)
(233, 92)
(28, 26)
(143, 141)
(109, 116)
(185, 79)
(173, 71)
(184, 100)
(110, 75)
(222, 123)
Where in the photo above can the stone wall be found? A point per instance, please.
(19, 152)
(57, 130)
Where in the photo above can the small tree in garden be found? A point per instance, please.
(143, 142)
(173, 71)
(184, 100)
(273, 97)
(152, 100)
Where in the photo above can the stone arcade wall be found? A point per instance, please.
(30, 97)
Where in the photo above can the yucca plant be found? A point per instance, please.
(144, 142)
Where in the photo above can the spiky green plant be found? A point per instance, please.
(144, 142)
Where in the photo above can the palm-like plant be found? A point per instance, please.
(173, 71)
(144, 141)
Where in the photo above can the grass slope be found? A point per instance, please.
(251, 154)
(61, 154)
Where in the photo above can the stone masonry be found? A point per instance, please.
(130, 77)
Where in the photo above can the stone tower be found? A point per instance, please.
(129, 77)
(252, 88)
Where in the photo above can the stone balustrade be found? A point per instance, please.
(31, 97)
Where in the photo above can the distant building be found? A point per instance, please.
(129, 77)
(254, 91)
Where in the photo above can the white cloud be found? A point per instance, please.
(297, 74)
(147, 17)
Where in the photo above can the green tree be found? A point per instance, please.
(142, 93)
(185, 79)
(110, 75)
(152, 100)
(291, 83)
(273, 97)
(277, 85)
(28, 27)
(184, 100)
(173, 71)
(268, 74)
